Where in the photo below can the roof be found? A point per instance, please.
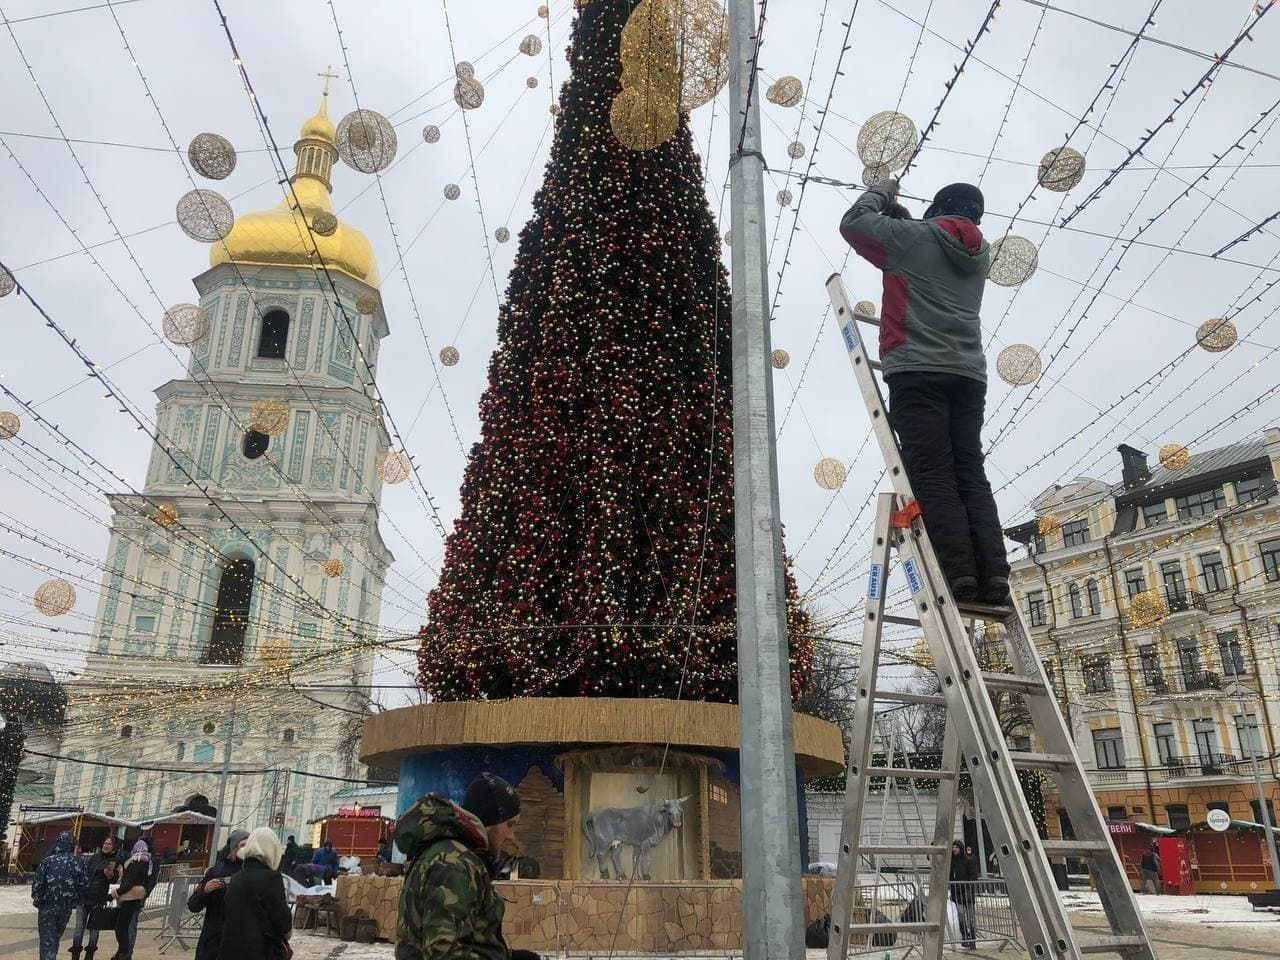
(70, 815)
(183, 816)
(1210, 461)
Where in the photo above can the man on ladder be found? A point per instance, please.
(935, 270)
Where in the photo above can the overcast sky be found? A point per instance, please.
(990, 131)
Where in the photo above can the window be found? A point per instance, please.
(1166, 746)
(1108, 748)
(1175, 586)
(1097, 674)
(182, 752)
(144, 624)
(1206, 732)
(1201, 503)
(1077, 607)
(1135, 582)
(1152, 675)
(307, 630)
(716, 793)
(1232, 654)
(1248, 489)
(1118, 813)
(1213, 575)
(255, 444)
(1036, 545)
(203, 753)
(1257, 812)
(1020, 743)
(1179, 817)
(1189, 657)
(1093, 597)
(1270, 550)
(1153, 513)
(1075, 533)
(126, 732)
(288, 735)
(1249, 736)
(1222, 805)
(208, 727)
(1035, 606)
(231, 616)
(275, 334)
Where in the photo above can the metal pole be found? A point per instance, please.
(1267, 838)
(220, 817)
(982, 846)
(772, 904)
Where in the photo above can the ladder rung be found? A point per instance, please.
(985, 611)
(1114, 943)
(892, 927)
(1075, 848)
(875, 364)
(909, 850)
(874, 321)
(902, 696)
(1041, 761)
(907, 773)
(1013, 683)
(901, 621)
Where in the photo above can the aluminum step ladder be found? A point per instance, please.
(972, 732)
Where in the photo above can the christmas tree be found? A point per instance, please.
(594, 553)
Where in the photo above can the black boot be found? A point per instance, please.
(88, 953)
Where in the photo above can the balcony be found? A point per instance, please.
(1205, 765)
(1193, 680)
(1180, 600)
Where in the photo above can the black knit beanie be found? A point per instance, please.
(957, 200)
(491, 799)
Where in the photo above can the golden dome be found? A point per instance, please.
(279, 237)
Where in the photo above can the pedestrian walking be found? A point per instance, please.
(129, 896)
(1149, 870)
(211, 892)
(103, 870)
(56, 888)
(289, 859)
(257, 923)
(964, 874)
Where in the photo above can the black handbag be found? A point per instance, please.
(103, 918)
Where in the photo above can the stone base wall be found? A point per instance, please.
(549, 916)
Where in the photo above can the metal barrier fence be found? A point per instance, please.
(978, 912)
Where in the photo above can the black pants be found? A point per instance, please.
(938, 420)
(124, 924)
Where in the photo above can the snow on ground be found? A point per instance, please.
(15, 898)
(1204, 910)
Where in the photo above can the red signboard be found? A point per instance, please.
(359, 811)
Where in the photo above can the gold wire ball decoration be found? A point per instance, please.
(554, 109)
(641, 122)
(531, 83)
(10, 424)
(205, 215)
(1019, 364)
(1174, 456)
(367, 304)
(212, 156)
(531, 45)
(1216, 335)
(468, 92)
(645, 113)
(7, 283)
(830, 473)
(270, 417)
(449, 356)
(785, 198)
(1061, 169)
(785, 91)
(332, 568)
(543, 11)
(186, 324)
(875, 174)
(795, 150)
(780, 358)
(1147, 609)
(702, 50)
(367, 141)
(452, 191)
(1013, 260)
(431, 133)
(1048, 525)
(394, 466)
(54, 598)
(324, 223)
(165, 516)
(502, 234)
(887, 140)
(865, 308)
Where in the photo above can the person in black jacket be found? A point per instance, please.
(103, 871)
(289, 859)
(257, 921)
(133, 890)
(964, 871)
(211, 892)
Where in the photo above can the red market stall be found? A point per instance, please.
(1132, 840)
(1234, 860)
(186, 835)
(355, 831)
(36, 834)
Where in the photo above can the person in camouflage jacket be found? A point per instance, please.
(448, 907)
(55, 890)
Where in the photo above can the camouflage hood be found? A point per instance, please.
(433, 819)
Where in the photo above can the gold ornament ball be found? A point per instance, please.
(531, 83)
(324, 223)
(785, 91)
(212, 156)
(165, 515)
(394, 467)
(332, 568)
(795, 150)
(1061, 169)
(785, 198)
(185, 324)
(449, 356)
(502, 234)
(830, 473)
(1174, 456)
(543, 11)
(1013, 260)
(205, 215)
(1019, 364)
(865, 308)
(10, 424)
(1048, 525)
(554, 109)
(431, 133)
(366, 141)
(452, 191)
(780, 358)
(54, 598)
(270, 417)
(1147, 609)
(531, 45)
(1216, 335)
(7, 283)
(875, 174)
(367, 304)
(642, 122)
(887, 140)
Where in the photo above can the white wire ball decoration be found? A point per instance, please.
(10, 424)
(450, 356)
(464, 70)
(531, 45)
(1061, 169)
(394, 467)
(1013, 260)
(205, 215)
(873, 175)
(785, 198)
(54, 598)
(1019, 364)
(212, 156)
(544, 11)
(502, 234)
(324, 223)
(332, 568)
(185, 324)
(1174, 456)
(728, 238)
(452, 191)
(531, 83)
(780, 358)
(865, 308)
(887, 140)
(468, 92)
(7, 283)
(1216, 335)
(702, 51)
(367, 304)
(431, 133)
(270, 417)
(785, 91)
(795, 150)
(830, 473)
(366, 141)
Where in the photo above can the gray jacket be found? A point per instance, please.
(934, 274)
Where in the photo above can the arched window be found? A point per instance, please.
(231, 616)
(275, 334)
(203, 753)
(1077, 610)
(126, 732)
(255, 444)
(288, 736)
(1093, 597)
(182, 751)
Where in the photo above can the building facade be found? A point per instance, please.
(1155, 605)
(244, 585)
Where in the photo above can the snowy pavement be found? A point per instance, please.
(1201, 910)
